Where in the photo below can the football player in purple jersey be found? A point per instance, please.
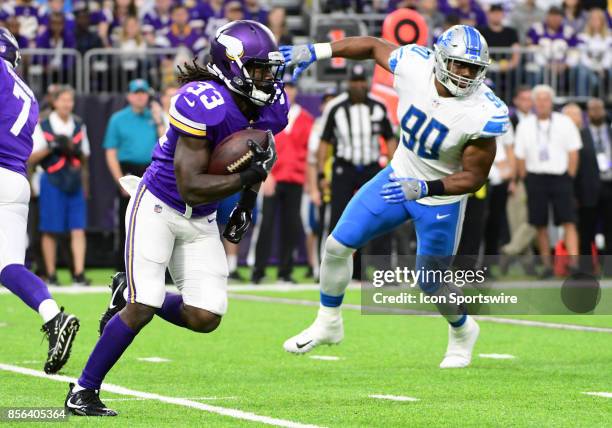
(17, 123)
(171, 220)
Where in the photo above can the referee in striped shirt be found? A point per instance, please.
(353, 124)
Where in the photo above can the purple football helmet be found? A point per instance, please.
(245, 56)
(9, 48)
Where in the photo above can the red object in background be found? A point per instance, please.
(292, 148)
(561, 259)
(402, 27)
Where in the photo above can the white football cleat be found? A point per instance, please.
(327, 329)
(461, 342)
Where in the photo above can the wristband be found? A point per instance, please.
(435, 188)
(322, 50)
(320, 176)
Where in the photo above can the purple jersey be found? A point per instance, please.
(191, 39)
(18, 119)
(203, 110)
(554, 46)
(153, 22)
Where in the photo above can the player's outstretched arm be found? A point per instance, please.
(478, 156)
(357, 48)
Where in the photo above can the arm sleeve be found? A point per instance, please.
(573, 140)
(85, 147)
(38, 138)
(519, 143)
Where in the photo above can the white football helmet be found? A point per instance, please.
(465, 44)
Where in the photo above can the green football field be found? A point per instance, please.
(240, 375)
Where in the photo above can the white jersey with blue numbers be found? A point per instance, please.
(435, 129)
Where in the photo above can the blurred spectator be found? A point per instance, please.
(282, 192)
(554, 47)
(575, 16)
(433, 17)
(254, 10)
(498, 36)
(219, 9)
(62, 148)
(86, 39)
(574, 112)
(595, 45)
(99, 19)
(523, 16)
(594, 179)
(12, 24)
(317, 200)
(26, 12)
(167, 93)
(120, 11)
(522, 233)
(201, 11)
(133, 48)
(60, 66)
(469, 12)
(131, 135)
(277, 21)
(181, 35)
(501, 179)
(547, 145)
(54, 6)
(157, 20)
(356, 148)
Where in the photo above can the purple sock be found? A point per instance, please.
(25, 285)
(171, 309)
(115, 339)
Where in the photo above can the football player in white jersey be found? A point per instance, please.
(449, 120)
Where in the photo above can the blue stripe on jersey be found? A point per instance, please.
(503, 116)
(494, 127)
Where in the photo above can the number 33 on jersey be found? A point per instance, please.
(434, 130)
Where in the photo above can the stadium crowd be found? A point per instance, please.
(509, 217)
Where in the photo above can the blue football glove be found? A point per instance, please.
(402, 189)
(301, 56)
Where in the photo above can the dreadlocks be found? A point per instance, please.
(195, 72)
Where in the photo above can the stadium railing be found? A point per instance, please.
(109, 70)
(42, 67)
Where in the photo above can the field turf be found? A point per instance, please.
(242, 367)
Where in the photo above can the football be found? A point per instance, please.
(232, 155)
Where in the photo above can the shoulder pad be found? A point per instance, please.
(196, 108)
(408, 51)
(496, 119)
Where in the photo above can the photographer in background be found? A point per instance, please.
(61, 147)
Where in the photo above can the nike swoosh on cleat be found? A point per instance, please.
(72, 406)
(301, 345)
(112, 302)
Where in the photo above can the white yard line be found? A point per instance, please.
(182, 398)
(116, 389)
(511, 321)
(600, 394)
(325, 357)
(154, 360)
(497, 356)
(393, 397)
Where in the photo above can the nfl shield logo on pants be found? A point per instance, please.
(157, 209)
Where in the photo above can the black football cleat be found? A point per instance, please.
(117, 302)
(60, 331)
(86, 402)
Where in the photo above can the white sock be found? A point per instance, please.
(336, 267)
(329, 312)
(77, 388)
(232, 262)
(48, 310)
